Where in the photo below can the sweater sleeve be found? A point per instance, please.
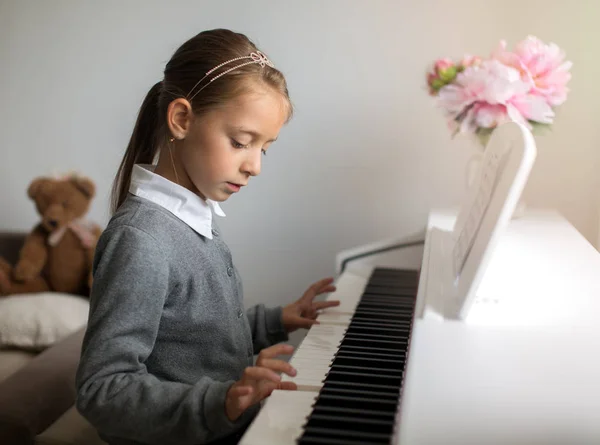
(115, 391)
(266, 325)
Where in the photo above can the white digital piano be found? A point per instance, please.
(485, 329)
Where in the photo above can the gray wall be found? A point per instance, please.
(367, 154)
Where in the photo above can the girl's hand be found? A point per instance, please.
(258, 382)
(303, 313)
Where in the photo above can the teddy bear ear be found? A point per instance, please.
(35, 187)
(85, 186)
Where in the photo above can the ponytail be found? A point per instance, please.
(142, 147)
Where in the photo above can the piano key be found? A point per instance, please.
(375, 324)
(379, 362)
(383, 407)
(391, 271)
(392, 299)
(354, 351)
(331, 316)
(331, 388)
(309, 439)
(401, 328)
(349, 288)
(353, 423)
(354, 360)
(390, 290)
(285, 413)
(363, 377)
(396, 312)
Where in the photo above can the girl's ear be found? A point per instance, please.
(179, 118)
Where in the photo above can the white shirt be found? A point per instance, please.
(185, 205)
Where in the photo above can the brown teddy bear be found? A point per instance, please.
(58, 253)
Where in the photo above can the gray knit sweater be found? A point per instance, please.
(167, 332)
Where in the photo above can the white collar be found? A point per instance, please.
(185, 205)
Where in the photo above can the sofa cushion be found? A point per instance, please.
(70, 429)
(13, 359)
(38, 320)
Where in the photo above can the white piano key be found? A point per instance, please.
(332, 317)
(281, 418)
(349, 289)
(312, 359)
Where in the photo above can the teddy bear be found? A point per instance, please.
(58, 253)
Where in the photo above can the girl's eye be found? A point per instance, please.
(236, 144)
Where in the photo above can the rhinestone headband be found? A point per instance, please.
(255, 57)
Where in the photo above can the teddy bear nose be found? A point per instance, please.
(52, 223)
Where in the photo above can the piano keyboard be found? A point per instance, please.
(353, 362)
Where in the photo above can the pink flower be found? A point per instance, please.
(442, 65)
(540, 65)
(469, 60)
(490, 93)
(444, 72)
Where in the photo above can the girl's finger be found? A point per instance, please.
(277, 366)
(260, 373)
(325, 304)
(275, 350)
(327, 289)
(303, 322)
(314, 289)
(240, 391)
(287, 386)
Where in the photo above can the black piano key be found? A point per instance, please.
(390, 290)
(393, 282)
(381, 316)
(402, 324)
(356, 347)
(351, 423)
(370, 361)
(356, 402)
(399, 330)
(350, 390)
(385, 299)
(365, 411)
(403, 281)
(362, 386)
(362, 377)
(372, 333)
(388, 271)
(341, 433)
(363, 333)
(369, 369)
(375, 344)
(393, 303)
(311, 439)
(386, 282)
(357, 351)
(398, 314)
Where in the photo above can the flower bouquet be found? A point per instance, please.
(524, 85)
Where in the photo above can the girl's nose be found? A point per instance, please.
(252, 164)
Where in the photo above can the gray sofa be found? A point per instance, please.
(37, 390)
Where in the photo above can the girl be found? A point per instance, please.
(168, 352)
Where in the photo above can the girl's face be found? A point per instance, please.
(223, 148)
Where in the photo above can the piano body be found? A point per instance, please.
(399, 363)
